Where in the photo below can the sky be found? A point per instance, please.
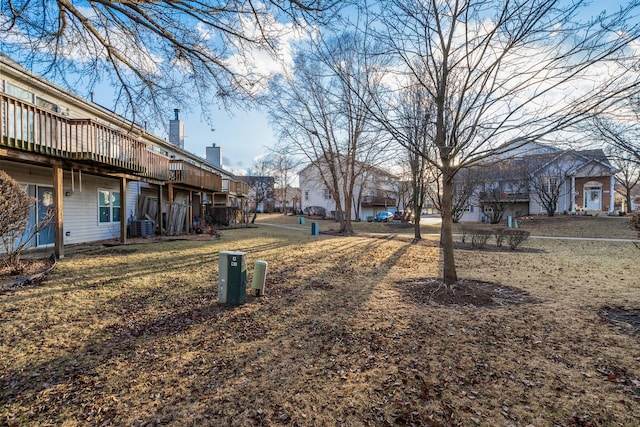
(243, 135)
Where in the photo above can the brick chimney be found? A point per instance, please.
(176, 130)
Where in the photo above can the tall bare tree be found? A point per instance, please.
(501, 74)
(628, 176)
(548, 184)
(620, 128)
(321, 109)
(153, 52)
(415, 120)
(500, 187)
(283, 165)
(466, 185)
(261, 186)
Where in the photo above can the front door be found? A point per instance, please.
(593, 198)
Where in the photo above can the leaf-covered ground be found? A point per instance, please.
(347, 334)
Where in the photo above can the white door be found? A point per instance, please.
(593, 198)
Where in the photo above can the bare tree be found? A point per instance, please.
(321, 110)
(155, 53)
(415, 118)
(465, 187)
(15, 231)
(628, 175)
(501, 187)
(261, 186)
(620, 128)
(283, 165)
(500, 74)
(548, 184)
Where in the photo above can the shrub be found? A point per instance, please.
(15, 232)
(480, 236)
(464, 229)
(634, 220)
(315, 211)
(500, 236)
(515, 237)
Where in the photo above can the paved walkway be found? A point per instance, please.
(593, 239)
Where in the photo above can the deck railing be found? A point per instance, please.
(369, 201)
(183, 172)
(239, 188)
(30, 128)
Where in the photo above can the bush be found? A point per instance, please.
(515, 237)
(315, 211)
(480, 236)
(500, 236)
(634, 220)
(15, 232)
(465, 229)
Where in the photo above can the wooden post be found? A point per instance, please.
(159, 219)
(123, 210)
(190, 214)
(58, 219)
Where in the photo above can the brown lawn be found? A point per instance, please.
(345, 335)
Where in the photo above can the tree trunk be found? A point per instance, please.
(449, 274)
(417, 211)
(629, 201)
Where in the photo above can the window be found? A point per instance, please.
(46, 104)
(108, 206)
(551, 184)
(306, 195)
(327, 194)
(21, 118)
(18, 92)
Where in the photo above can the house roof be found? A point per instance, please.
(376, 170)
(575, 161)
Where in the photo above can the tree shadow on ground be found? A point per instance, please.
(626, 318)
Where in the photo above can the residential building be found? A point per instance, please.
(374, 191)
(287, 200)
(260, 193)
(100, 172)
(539, 177)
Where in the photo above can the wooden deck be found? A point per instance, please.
(30, 129)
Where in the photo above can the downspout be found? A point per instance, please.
(573, 194)
(612, 184)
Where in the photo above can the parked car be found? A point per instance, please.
(383, 216)
(403, 216)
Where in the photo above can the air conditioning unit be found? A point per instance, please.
(141, 228)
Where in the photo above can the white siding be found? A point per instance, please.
(80, 201)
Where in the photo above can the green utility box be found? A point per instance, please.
(315, 228)
(232, 278)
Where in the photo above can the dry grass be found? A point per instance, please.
(133, 335)
(562, 225)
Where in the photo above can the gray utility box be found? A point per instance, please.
(232, 278)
